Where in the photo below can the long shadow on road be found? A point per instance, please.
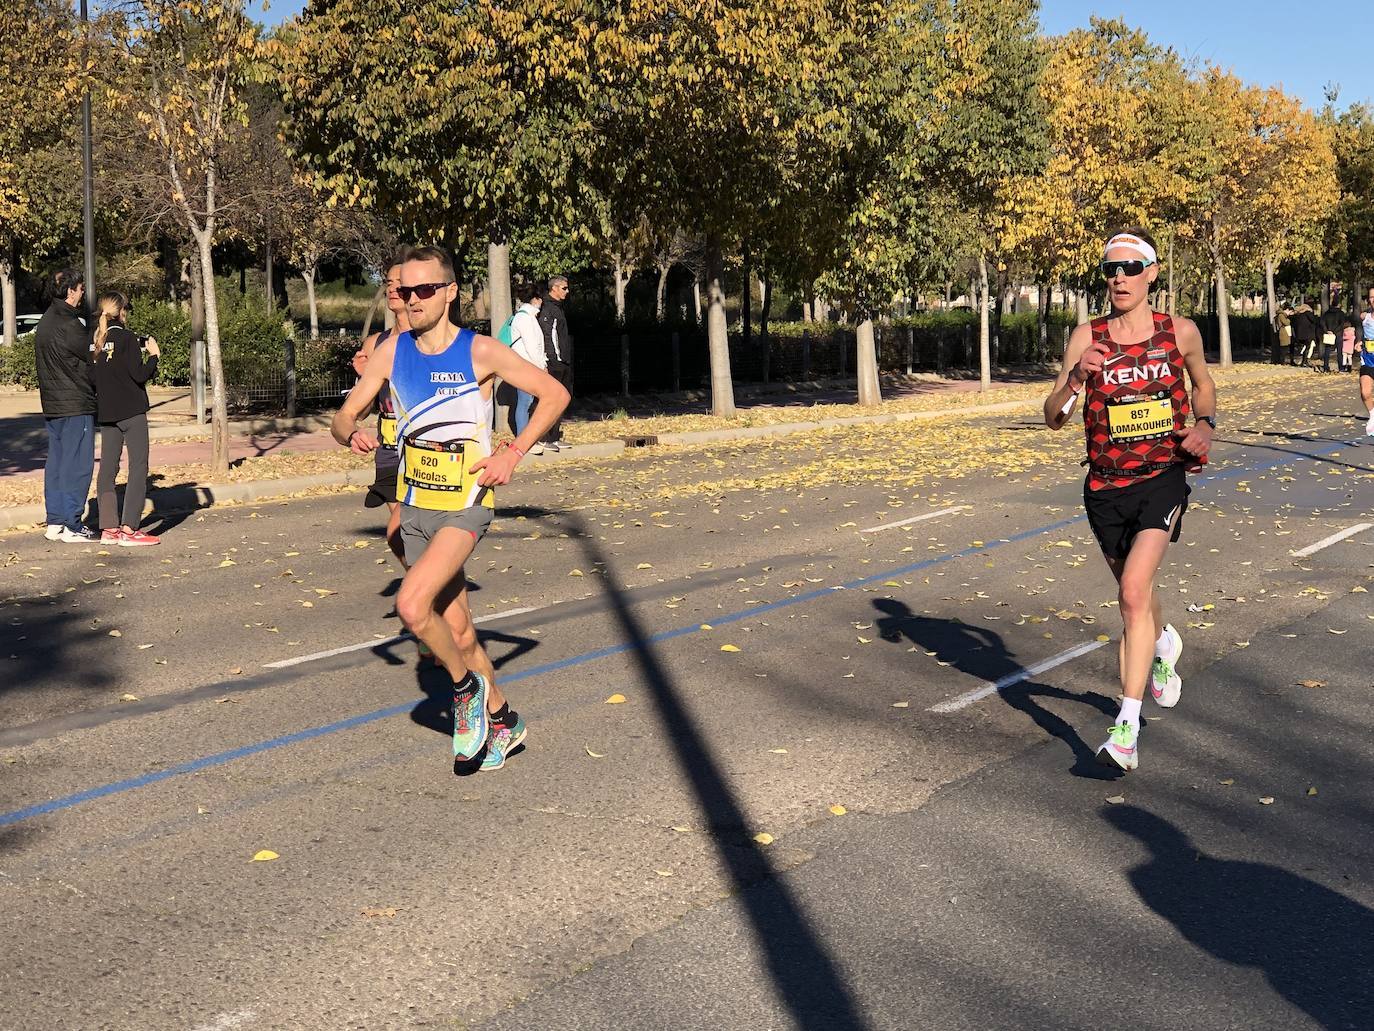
(984, 656)
(807, 979)
(1314, 945)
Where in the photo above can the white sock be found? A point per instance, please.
(1164, 643)
(1130, 712)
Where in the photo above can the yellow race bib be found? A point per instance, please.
(386, 430)
(1140, 420)
(435, 475)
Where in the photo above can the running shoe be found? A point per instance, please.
(426, 653)
(1165, 684)
(1120, 749)
(137, 539)
(470, 719)
(81, 535)
(111, 536)
(536, 449)
(1368, 429)
(54, 531)
(504, 739)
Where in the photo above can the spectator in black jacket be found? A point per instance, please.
(121, 390)
(1334, 322)
(558, 348)
(62, 350)
(1305, 329)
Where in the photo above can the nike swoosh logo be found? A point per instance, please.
(1114, 358)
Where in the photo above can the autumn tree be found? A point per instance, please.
(1262, 180)
(185, 63)
(40, 165)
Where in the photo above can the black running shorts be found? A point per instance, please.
(1117, 514)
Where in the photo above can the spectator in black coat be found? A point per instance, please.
(1305, 329)
(1334, 322)
(121, 381)
(62, 353)
(558, 348)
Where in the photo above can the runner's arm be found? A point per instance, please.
(1069, 382)
(1197, 438)
(491, 357)
(359, 400)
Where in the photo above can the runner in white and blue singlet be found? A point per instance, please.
(441, 381)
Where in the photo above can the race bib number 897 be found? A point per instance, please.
(1140, 420)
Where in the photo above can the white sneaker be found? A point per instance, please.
(1368, 430)
(1165, 684)
(54, 531)
(1120, 749)
(81, 535)
(536, 449)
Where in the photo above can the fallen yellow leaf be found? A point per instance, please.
(576, 572)
(728, 648)
(616, 699)
(116, 633)
(1116, 799)
(390, 911)
(1266, 800)
(763, 838)
(1312, 683)
(128, 698)
(838, 810)
(594, 755)
(226, 563)
(1311, 792)
(901, 705)
(264, 856)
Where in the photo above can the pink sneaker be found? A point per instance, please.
(136, 539)
(112, 536)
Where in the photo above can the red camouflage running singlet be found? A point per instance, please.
(1132, 408)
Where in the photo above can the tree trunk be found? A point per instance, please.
(746, 300)
(9, 266)
(1042, 319)
(1083, 314)
(377, 299)
(308, 274)
(661, 296)
(696, 296)
(621, 278)
(219, 405)
(870, 393)
(984, 334)
(171, 268)
(290, 357)
(765, 309)
(498, 283)
(1172, 305)
(197, 295)
(718, 340)
(269, 294)
(1223, 317)
(1271, 303)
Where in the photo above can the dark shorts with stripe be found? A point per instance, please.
(383, 490)
(1117, 514)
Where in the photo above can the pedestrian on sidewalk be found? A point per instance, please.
(121, 375)
(558, 348)
(527, 340)
(62, 355)
(1305, 329)
(1130, 367)
(1334, 320)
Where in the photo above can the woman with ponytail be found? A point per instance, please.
(121, 377)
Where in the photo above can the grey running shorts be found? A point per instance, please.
(419, 525)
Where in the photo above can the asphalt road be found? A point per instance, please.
(783, 647)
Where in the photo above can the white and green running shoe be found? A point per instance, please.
(471, 723)
(504, 740)
(1120, 749)
(1165, 684)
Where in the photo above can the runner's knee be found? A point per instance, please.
(414, 606)
(1136, 597)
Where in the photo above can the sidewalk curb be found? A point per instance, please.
(194, 497)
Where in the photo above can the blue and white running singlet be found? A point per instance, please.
(443, 424)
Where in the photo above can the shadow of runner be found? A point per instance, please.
(806, 977)
(1313, 945)
(981, 653)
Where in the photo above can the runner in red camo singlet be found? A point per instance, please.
(1130, 367)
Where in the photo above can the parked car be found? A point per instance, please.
(27, 323)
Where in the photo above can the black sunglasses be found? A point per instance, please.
(1131, 267)
(424, 291)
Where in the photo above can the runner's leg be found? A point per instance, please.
(442, 560)
(456, 611)
(1117, 566)
(1140, 610)
(393, 532)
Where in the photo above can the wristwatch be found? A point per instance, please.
(1210, 420)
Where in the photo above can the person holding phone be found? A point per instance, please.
(1129, 368)
(121, 374)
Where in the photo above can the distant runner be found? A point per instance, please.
(440, 383)
(1135, 411)
(1367, 363)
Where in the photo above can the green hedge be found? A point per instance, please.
(17, 364)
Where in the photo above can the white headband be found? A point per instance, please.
(1132, 243)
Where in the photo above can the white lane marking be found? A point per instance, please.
(978, 693)
(1335, 538)
(916, 519)
(382, 642)
(227, 1021)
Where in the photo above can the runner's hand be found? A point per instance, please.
(1091, 361)
(496, 469)
(1196, 439)
(359, 362)
(361, 442)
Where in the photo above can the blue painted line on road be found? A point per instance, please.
(221, 758)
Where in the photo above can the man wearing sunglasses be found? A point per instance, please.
(440, 379)
(1129, 368)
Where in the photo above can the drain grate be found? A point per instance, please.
(641, 440)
